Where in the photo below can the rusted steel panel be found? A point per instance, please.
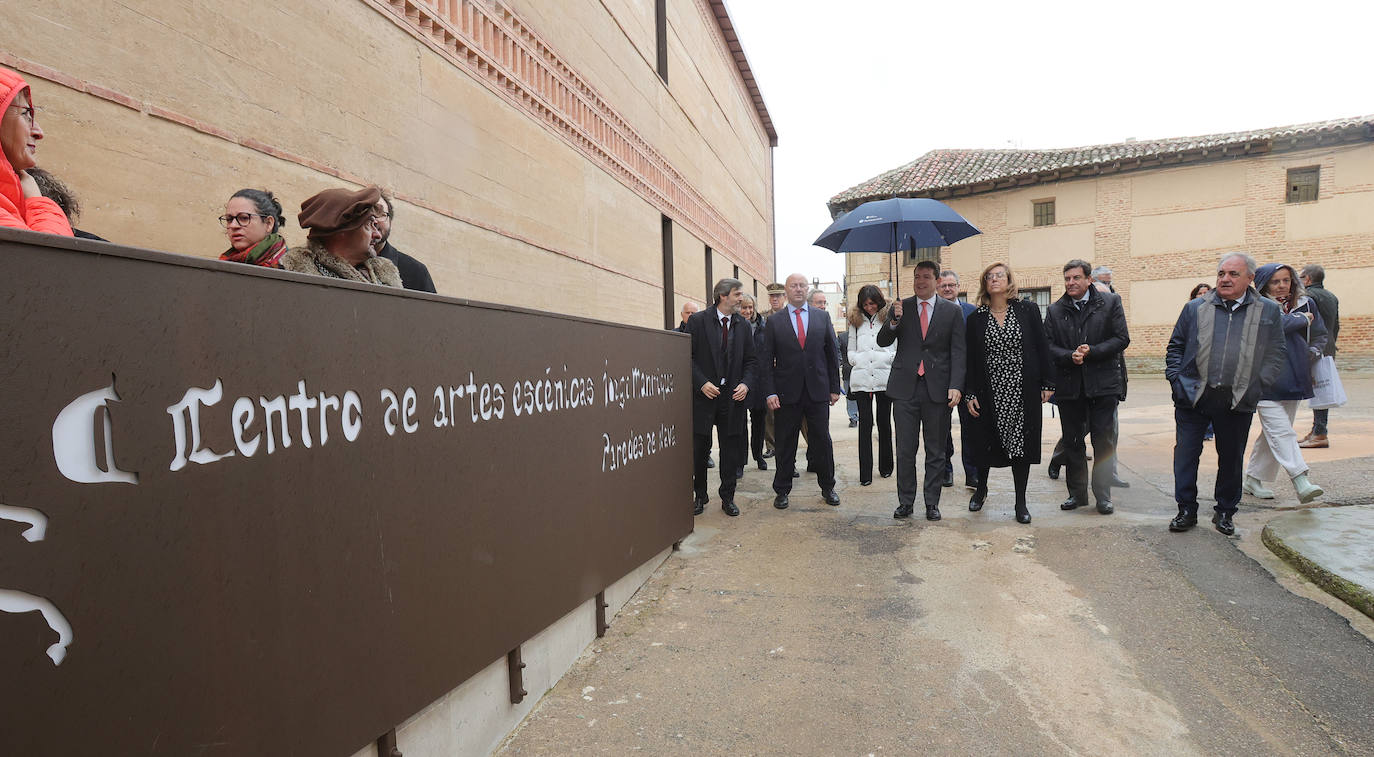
(220, 591)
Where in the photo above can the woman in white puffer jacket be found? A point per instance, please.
(868, 380)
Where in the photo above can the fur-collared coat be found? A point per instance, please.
(315, 259)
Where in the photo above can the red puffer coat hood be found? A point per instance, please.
(16, 211)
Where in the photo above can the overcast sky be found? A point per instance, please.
(859, 87)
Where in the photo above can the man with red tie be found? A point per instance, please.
(799, 371)
(926, 382)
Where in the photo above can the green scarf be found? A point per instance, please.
(267, 253)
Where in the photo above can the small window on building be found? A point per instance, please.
(1042, 213)
(912, 257)
(1041, 297)
(1302, 184)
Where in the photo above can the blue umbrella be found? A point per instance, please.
(895, 224)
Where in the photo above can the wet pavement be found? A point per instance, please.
(1331, 546)
(821, 630)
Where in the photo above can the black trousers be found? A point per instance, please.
(1231, 429)
(920, 418)
(732, 451)
(788, 422)
(1096, 418)
(758, 419)
(970, 470)
(866, 401)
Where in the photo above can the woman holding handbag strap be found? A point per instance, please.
(1305, 337)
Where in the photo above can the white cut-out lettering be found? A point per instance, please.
(244, 411)
(303, 403)
(352, 415)
(275, 406)
(408, 417)
(73, 440)
(14, 601)
(188, 411)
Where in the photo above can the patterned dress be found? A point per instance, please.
(1006, 377)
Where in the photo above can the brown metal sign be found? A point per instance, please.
(250, 512)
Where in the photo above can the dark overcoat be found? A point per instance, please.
(1102, 326)
(710, 364)
(985, 444)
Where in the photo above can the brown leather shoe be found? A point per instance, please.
(1314, 442)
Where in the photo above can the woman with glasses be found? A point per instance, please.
(342, 227)
(868, 380)
(22, 205)
(252, 220)
(1007, 379)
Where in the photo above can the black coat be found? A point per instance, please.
(740, 368)
(414, 274)
(1102, 326)
(1329, 307)
(985, 445)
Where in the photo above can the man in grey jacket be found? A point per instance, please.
(1226, 349)
(925, 384)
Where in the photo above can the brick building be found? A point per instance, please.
(1159, 213)
(552, 155)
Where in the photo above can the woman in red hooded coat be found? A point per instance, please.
(22, 206)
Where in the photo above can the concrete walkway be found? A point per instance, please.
(821, 630)
(1333, 547)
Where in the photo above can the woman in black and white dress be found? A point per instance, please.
(1008, 378)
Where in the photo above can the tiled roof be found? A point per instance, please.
(940, 172)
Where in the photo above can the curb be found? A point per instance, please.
(1349, 592)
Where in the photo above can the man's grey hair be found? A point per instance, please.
(811, 296)
(1315, 272)
(1250, 264)
(1098, 271)
(948, 272)
(725, 286)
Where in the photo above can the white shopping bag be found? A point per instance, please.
(1326, 385)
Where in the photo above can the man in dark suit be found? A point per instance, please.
(414, 274)
(925, 383)
(724, 371)
(949, 289)
(800, 369)
(1087, 332)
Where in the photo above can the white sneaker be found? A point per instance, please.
(1254, 486)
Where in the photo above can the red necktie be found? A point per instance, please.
(925, 327)
(801, 330)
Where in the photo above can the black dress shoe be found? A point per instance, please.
(702, 499)
(853, 423)
(780, 502)
(1119, 484)
(970, 484)
(729, 508)
(1023, 516)
(975, 504)
(1054, 471)
(710, 462)
(933, 512)
(902, 511)
(1223, 523)
(763, 464)
(865, 482)
(885, 475)
(949, 479)
(1070, 504)
(1104, 506)
(768, 454)
(1182, 522)
(699, 506)
(831, 498)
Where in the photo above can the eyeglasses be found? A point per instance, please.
(242, 219)
(26, 112)
(995, 275)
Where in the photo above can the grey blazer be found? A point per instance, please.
(942, 349)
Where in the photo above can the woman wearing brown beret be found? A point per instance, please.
(342, 226)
